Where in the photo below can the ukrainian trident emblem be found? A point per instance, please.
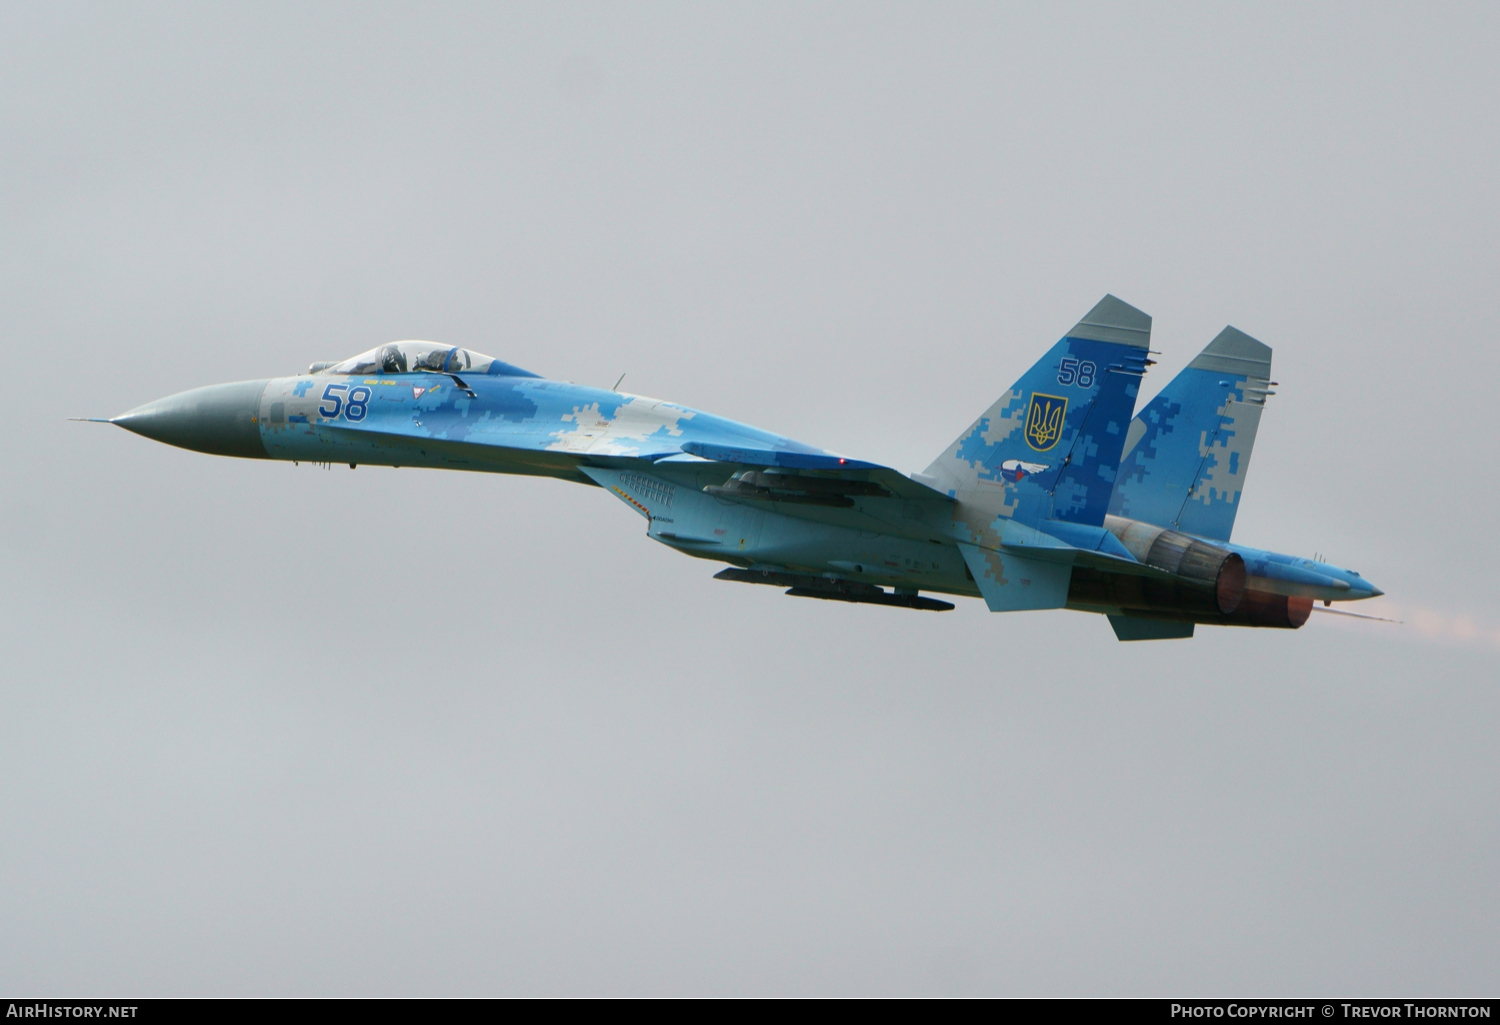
(1044, 420)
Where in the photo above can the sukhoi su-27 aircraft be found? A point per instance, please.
(1053, 498)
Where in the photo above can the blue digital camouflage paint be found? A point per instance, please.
(1029, 508)
(1194, 440)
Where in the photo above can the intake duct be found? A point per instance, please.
(1206, 580)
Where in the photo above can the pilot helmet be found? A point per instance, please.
(392, 360)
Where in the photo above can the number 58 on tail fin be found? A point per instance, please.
(1048, 449)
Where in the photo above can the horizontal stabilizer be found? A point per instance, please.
(1133, 628)
(1013, 583)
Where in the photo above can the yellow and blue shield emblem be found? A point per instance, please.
(1044, 420)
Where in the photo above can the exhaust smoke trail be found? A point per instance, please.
(1451, 629)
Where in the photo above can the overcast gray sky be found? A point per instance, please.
(280, 730)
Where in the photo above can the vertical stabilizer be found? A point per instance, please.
(1188, 451)
(1049, 448)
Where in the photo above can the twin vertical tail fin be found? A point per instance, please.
(1050, 446)
(1187, 453)
(1044, 457)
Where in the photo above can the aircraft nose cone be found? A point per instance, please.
(220, 420)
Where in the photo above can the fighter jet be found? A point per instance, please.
(1053, 498)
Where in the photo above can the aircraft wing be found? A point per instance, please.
(818, 487)
(809, 467)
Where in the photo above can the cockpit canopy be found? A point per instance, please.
(422, 357)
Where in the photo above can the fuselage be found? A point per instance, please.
(507, 421)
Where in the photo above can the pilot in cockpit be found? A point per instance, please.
(433, 360)
(420, 357)
(392, 360)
